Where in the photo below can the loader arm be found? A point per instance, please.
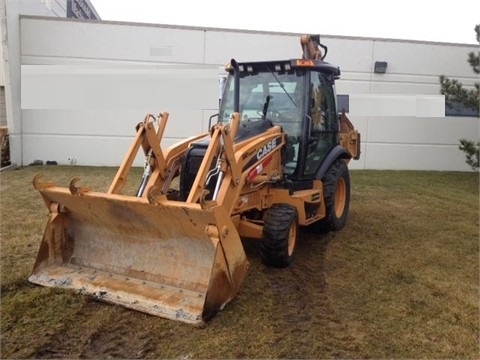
(149, 139)
(235, 161)
(168, 258)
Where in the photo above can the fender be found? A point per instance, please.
(338, 152)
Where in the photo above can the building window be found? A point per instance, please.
(458, 109)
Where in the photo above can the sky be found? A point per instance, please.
(430, 20)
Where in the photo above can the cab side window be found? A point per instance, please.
(322, 104)
(318, 108)
(324, 123)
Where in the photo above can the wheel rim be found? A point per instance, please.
(292, 238)
(340, 197)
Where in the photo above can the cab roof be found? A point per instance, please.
(286, 65)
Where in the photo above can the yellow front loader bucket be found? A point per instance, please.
(171, 259)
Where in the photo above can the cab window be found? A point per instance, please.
(324, 122)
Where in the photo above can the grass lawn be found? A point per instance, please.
(401, 280)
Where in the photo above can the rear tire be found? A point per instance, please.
(280, 234)
(336, 194)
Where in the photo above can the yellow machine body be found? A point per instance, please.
(181, 256)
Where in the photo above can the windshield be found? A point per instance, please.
(271, 95)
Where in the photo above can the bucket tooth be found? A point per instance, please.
(39, 185)
(74, 190)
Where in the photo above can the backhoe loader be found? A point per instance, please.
(275, 159)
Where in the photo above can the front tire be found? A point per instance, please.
(280, 234)
(336, 194)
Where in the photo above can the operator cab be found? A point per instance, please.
(298, 95)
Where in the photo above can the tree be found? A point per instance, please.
(470, 98)
(471, 151)
(454, 90)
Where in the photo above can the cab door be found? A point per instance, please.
(323, 121)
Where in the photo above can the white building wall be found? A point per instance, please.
(97, 81)
(10, 65)
(412, 142)
(100, 134)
